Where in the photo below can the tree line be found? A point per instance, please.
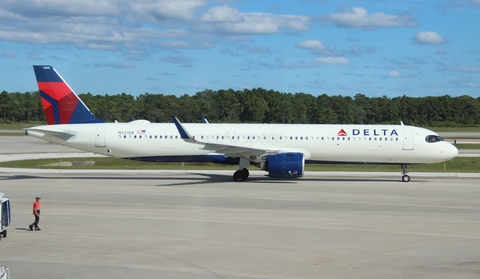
(259, 105)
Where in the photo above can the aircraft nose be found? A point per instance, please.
(450, 151)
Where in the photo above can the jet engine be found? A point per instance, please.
(285, 165)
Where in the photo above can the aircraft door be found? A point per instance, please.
(100, 137)
(408, 140)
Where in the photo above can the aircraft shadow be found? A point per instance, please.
(205, 178)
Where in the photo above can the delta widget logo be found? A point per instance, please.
(342, 133)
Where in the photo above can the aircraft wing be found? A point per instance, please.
(226, 149)
(235, 150)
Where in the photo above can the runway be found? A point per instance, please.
(174, 224)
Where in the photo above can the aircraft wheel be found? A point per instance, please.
(4, 234)
(238, 176)
(245, 173)
(406, 178)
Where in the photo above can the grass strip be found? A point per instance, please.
(461, 164)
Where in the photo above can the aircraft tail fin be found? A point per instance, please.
(60, 103)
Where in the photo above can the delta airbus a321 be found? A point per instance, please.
(280, 149)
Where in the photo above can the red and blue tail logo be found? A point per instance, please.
(60, 104)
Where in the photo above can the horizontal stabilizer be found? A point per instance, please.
(36, 132)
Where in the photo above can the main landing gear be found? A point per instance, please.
(242, 173)
(405, 176)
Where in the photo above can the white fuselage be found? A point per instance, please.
(384, 144)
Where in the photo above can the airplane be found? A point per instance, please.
(280, 149)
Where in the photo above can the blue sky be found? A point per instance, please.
(392, 48)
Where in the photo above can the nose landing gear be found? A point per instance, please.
(405, 176)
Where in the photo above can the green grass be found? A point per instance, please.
(18, 126)
(455, 165)
(453, 129)
(468, 146)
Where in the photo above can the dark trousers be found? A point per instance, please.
(35, 224)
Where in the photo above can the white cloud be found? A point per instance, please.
(332, 60)
(41, 8)
(359, 18)
(311, 45)
(123, 24)
(429, 38)
(257, 23)
(165, 10)
(221, 14)
(394, 74)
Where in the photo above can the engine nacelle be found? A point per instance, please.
(285, 165)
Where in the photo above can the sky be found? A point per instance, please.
(415, 48)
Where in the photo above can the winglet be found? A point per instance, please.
(183, 132)
(204, 120)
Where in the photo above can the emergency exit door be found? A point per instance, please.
(408, 140)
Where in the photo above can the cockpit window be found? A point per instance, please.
(433, 138)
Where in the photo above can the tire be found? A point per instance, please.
(4, 234)
(245, 174)
(405, 178)
(238, 176)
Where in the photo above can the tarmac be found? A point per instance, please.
(201, 224)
